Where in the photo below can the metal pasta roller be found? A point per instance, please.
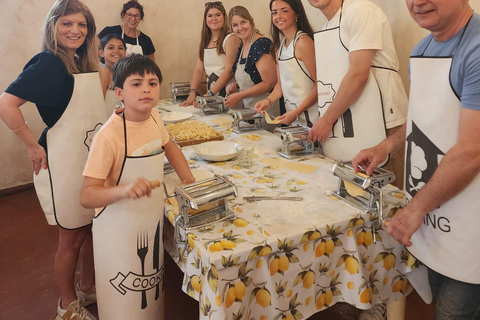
(294, 141)
(202, 203)
(362, 191)
(180, 90)
(246, 120)
(212, 104)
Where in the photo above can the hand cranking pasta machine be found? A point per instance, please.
(202, 203)
(362, 191)
(294, 141)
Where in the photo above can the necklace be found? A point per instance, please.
(215, 41)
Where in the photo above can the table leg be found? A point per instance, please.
(396, 309)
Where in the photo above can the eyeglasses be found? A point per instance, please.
(130, 16)
(213, 4)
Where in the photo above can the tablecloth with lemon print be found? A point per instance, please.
(287, 259)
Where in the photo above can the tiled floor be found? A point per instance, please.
(27, 289)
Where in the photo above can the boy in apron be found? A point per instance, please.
(123, 169)
(440, 223)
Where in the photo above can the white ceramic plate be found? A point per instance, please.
(174, 117)
(216, 150)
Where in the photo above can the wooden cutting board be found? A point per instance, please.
(190, 142)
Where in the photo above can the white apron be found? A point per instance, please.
(68, 142)
(132, 48)
(129, 279)
(362, 125)
(447, 241)
(296, 82)
(111, 101)
(215, 64)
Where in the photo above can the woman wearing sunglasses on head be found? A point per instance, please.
(295, 54)
(216, 53)
(137, 42)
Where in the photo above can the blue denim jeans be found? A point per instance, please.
(454, 299)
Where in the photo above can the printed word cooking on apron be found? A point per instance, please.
(215, 64)
(446, 241)
(128, 247)
(68, 142)
(362, 125)
(296, 82)
(132, 48)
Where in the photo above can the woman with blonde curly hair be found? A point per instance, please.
(64, 83)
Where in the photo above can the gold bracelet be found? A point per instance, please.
(23, 125)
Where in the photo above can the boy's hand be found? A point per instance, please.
(140, 188)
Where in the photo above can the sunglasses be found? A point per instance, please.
(213, 4)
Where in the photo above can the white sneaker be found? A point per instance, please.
(74, 311)
(86, 298)
(377, 312)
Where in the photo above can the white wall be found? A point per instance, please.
(174, 27)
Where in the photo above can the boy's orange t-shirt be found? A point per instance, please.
(107, 153)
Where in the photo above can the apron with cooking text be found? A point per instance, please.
(296, 83)
(132, 48)
(447, 241)
(128, 247)
(68, 142)
(215, 64)
(362, 125)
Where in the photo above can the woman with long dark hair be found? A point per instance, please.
(294, 51)
(215, 54)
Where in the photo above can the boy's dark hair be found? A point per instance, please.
(133, 64)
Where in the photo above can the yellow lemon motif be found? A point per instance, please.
(328, 297)
(360, 238)
(359, 222)
(370, 267)
(218, 301)
(308, 300)
(320, 249)
(283, 263)
(368, 239)
(351, 265)
(329, 246)
(320, 301)
(239, 222)
(215, 247)
(228, 244)
(397, 286)
(314, 235)
(308, 279)
(350, 285)
(259, 264)
(274, 266)
(331, 273)
(385, 281)
(266, 232)
(237, 168)
(263, 318)
(263, 297)
(191, 240)
(195, 281)
(306, 245)
(239, 290)
(350, 233)
(389, 261)
(230, 298)
(220, 230)
(238, 209)
(289, 293)
(411, 260)
(250, 232)
(265, 251)
(366, 296)
(289, 316)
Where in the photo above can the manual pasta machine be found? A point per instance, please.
(294, 141)
(362, 191)
(212, 104)
(180, 90)
(202, 203)
(246, 120)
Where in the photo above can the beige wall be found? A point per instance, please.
(174, 27)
